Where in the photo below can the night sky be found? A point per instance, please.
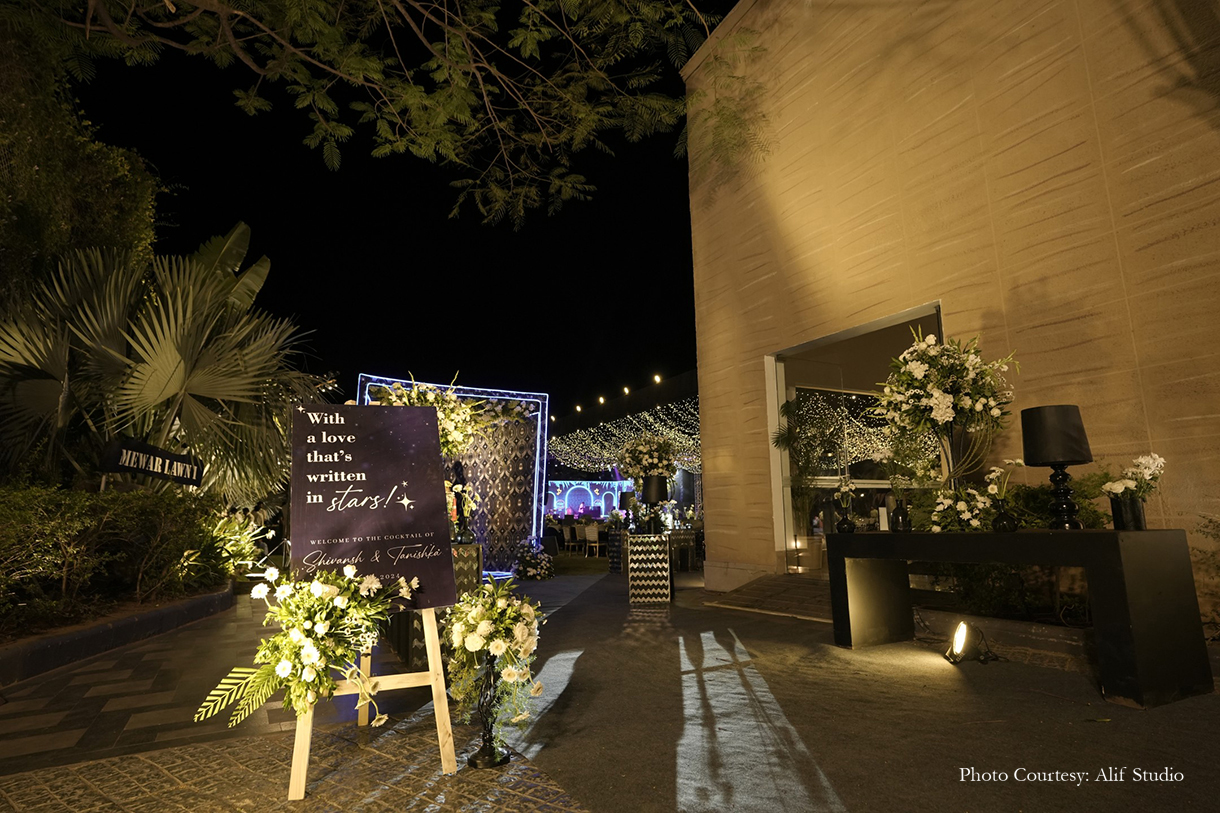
(579, 304)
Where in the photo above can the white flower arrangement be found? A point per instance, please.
(533, 563)
(997, 478)
(647, 455)
(490, 628)
(844, 491)
(325, 624)
(1139, 479)
(960, 510)
(935, 387)
(459, 420)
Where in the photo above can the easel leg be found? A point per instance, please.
(440, 701)
(366, 666)
(300, 756)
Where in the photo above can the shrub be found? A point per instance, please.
(66, 554)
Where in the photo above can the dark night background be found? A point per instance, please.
(579, 304)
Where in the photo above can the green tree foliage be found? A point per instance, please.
(60, 188)
(507, 93)
(172, 352)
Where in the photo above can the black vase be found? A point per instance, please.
(1003, 522)
(488, 755)
(656, 489)
(1128, 513)
(846, 525)
(900, 520)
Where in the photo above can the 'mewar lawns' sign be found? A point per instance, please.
(368, 490)
(125, 454)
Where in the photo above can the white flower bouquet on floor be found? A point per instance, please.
(492, 635)
(325, 624)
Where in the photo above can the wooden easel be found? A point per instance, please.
(435, 677)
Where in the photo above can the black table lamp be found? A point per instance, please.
(624, 500)
(1054, 436)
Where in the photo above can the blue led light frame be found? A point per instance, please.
(541, 399)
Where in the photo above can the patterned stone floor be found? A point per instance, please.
(115, 733)
(143, 696)
(351, 769)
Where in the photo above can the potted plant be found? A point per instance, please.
(1127, 494)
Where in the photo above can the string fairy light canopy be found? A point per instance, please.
(596, 448)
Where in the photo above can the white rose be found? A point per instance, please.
(322, 627)
(340, 601)
(317, 588)
(296, 635)
(349, 571)
(474, 642)
(308, 674)
(484, 629)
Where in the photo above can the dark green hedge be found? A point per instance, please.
(66, 555)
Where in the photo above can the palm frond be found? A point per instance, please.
(231, 687)
(261, 686)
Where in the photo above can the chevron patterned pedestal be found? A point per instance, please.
(649, 580)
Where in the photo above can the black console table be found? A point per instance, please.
(1150, 643)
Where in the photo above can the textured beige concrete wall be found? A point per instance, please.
(1050, 171)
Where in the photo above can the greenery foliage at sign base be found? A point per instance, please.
(325, 624)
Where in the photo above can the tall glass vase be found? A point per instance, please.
(488, 755)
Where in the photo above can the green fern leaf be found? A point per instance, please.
(260, 686)
(226, 692)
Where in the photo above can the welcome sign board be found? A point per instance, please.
(368, 490)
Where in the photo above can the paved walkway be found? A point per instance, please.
(682, 707)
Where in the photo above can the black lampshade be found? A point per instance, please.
(1054, 436)
(624, 500)
(656, 489)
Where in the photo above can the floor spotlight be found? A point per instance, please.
(969, 644)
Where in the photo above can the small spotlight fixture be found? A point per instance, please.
(578, 407)
(601, 399)
(552, 419)
(969, 644)
(626, 390)
(657, 378)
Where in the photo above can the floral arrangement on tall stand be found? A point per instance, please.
(1128, 493)
(649, 460)
(951, 391)
(948, 389)
(325, 623)
(493, 635)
